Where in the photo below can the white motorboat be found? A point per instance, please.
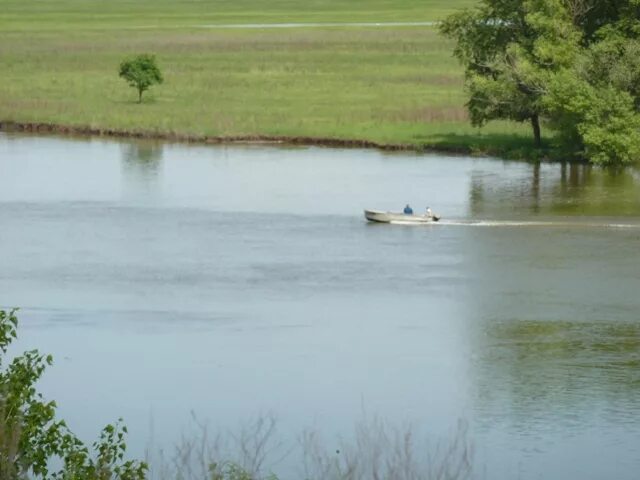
(398, 217)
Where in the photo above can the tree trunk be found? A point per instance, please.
(535, 187)
(535, 124)
(139, 95)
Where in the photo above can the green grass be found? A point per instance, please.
(116, 14)
(59, 62)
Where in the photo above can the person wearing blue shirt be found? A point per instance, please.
(408, 210)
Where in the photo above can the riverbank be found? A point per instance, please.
(87, 131)
(346, 81)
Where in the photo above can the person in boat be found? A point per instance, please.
(408, 210)
(429, 212)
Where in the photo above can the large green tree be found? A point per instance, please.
(571, 63)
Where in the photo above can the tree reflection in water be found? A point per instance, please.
(556, 189)
(141, 167)
(560, 369)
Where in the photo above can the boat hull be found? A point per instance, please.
(393, 217)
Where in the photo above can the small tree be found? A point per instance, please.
(141, 72)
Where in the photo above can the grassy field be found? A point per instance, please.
(389, 84)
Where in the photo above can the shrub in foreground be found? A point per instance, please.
(31, 435)
(32, 438)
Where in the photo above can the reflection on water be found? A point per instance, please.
(556, 343)
(571, 388)
(552, 364)
(144, 157)
(556, 189)
(141, 166)
(237, 280)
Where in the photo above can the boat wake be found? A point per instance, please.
(519, 223)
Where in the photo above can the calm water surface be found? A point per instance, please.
(234, 281)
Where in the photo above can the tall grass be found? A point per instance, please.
(375, 451)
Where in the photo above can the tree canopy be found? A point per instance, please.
(573, 65)
(141, 72)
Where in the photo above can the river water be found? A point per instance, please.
(233, 282)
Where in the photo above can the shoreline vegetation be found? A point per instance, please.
(570, 65)
(441, 76)
(87, 131)
(343, 84)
